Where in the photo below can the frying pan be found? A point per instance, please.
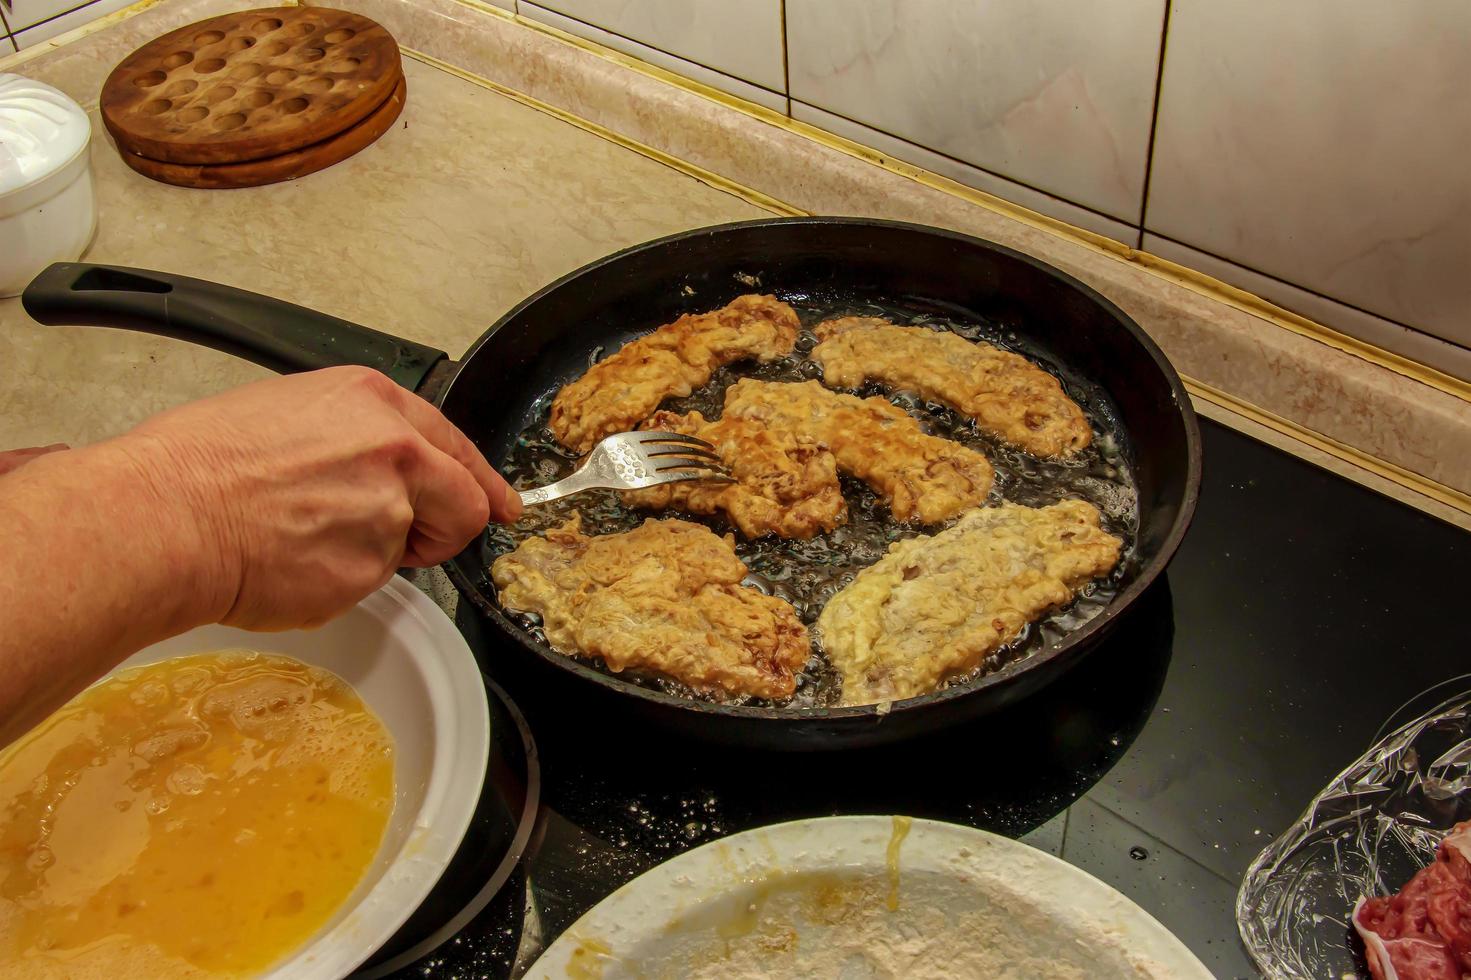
(493, 392)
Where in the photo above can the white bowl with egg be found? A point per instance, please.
(409, 664)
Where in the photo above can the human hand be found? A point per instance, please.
(313, 489)
(14, 459)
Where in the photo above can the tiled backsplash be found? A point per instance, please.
(1311, 152)
(29, 22)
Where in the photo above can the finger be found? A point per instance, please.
(505, 503)
(14, 459)
(450, 509)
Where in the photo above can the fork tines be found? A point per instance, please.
(647, 436)
(681, 452)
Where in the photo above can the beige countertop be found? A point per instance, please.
(468, 205)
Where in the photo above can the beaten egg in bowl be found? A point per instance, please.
(199, 817)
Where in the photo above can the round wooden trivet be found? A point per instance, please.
(249, 85)
(287, 166)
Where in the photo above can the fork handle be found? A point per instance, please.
(566, 487)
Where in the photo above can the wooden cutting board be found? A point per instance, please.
(250, 85)
(286, 166)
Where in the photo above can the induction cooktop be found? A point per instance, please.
(1302, 612)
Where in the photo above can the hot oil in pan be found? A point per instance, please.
(808, 573)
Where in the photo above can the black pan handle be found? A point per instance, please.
(277, 335)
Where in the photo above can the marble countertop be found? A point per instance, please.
(469, 204)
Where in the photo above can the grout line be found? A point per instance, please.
(1161, 268)
(1159, 82)
(1132, 825)
(966, 163)
(708, 177)
(5, 24)
(81, 6)
(77, 33)
(1287, 282)
(652, 47)
(786, 71)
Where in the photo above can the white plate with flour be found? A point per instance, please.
(860, 898)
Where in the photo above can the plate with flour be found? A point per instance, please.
(867, 897)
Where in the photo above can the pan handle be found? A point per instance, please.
(274, 334)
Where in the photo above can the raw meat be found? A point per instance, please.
(1424, 932)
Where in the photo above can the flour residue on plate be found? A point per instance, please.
(842, 924)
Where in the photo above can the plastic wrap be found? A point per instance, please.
(1374, 826)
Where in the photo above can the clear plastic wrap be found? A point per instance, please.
(1374, 826)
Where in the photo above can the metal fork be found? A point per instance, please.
(634, 460)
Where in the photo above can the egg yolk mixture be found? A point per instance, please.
(199, 817)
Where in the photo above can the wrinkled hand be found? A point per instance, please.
(315, 488)
(14, 459)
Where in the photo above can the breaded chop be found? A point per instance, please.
(664, 597)
(919, 475)
(786, 484)
(1006, 394)
(936, 607)
(622, 389)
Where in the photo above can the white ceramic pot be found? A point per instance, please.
(410, 665)
(48, 211)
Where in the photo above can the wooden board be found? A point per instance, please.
(286, 166)
(250, 85)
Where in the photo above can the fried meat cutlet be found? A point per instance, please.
(665, 597)
(936, 607)
(920, 476)
(622, 389)
(1006, 394)
(786, 484)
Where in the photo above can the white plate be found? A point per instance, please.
(867, 897)
(407, 661)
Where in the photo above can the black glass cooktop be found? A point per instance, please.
(1301, 612)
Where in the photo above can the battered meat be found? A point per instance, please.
(1006, 394)
(919, 475)
(786, 484)
(665, 597)
(622, 389)
(936, 607)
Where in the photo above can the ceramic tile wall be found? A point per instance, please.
(27, 23)
(1309, 152)
(1323, 143)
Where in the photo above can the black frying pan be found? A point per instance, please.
(547, 340)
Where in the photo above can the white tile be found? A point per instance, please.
(968, 175)
(715, 79)
(20, 14)
(1450, 358)
(735, 37)
(1058, 96)
(57, 26)
(1324, 142)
